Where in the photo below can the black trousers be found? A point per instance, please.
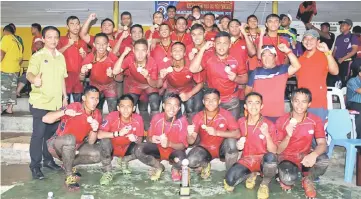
(41, 133)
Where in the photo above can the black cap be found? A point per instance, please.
(348, 21)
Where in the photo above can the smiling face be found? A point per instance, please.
(208, 21)
(273, 24)
(126, 107)
(101, 44)
(181, 25)
(268, 59)
(136, 34)
(211, 102)
(178, 52)
(198, 36)
(234, 29)
(107, 27)
(164, 31)
(300, 103)
(51, 39)
(140, 52)
(253, 105)
(158, 18)
(171, 107)
(309, 42)
(222, 45)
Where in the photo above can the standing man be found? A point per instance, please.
(74, 50)
(354, 99)
(325, 35)
(46, 73)
(345, 49)
(11, 56)
(223, 71)
(17, 36)
(209, 26)
(180, 34)
(253, 33)
(290, 34)
(171, 13)
(317, 62)
(37, 42)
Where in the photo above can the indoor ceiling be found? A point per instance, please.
(56, 12)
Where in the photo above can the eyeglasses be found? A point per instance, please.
(268, 47)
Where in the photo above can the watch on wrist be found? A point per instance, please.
(328, 53)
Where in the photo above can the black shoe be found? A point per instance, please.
(51, 165)
(37, 174)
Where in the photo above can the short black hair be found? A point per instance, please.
(12, 25)
(196, 7)
(172, 95)
(158, 12)
(224, 17)
(179, 43)
(37, 26)
(304, 91)
(234, 20)
(326, 24)
(252, 16)
(253, 94)
(126, 97)
(356, 29)
(141, 41)
(136, 26)
(90, 89)
(71, 18)
(164, 24)
(47, 28)
(182, 18)
(9, 28)
(198, 26)
(208, 91)
(107, 19)
(125, 13)
(171, 7)
(223, 34)
(209, 14)
(101, 35)
(272, 16)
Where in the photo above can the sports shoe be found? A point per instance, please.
(263, 192)
(155, 174)
(251, 181)
(176, 176)
(309, 188)
(206, 172)
(37, 174)
(227, 187)
(106, 178)
(71, 183)
(124, 166)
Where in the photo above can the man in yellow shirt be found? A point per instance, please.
(46, 73)
(11, 55)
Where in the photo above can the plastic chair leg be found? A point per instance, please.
(330, 149)
(350, 163)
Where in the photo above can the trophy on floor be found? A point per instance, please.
(185, 190)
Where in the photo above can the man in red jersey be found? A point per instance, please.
(167, 140)
(214, 132)
(171, 13)
(181, 81)
(125, 129)
(197, 32)
(270, 80)
(180, 34)
(75, 140)
(37, 42)
(296, 130)
(253, 34)
(153, 32)
(211, 29)
(106, 27)
(141, 72)
(223, 71)
(258, 143)
(272, 38)
(101, 62)
(162, 52)
(74, 50)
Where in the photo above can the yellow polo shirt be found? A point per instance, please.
(14, 53)
(53, 69)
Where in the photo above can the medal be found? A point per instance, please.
(89, 119)
(227, 69)
(165, 59)
(194, 50)
(169, 69)
(139, 69)
(89, 66)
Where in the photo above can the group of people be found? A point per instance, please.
(230, 77)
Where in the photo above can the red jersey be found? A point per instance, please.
(256, 143)
(113, 123)
(171, 24)
(217, 77)
(77, 126)
(154, 36)
(127, 42)
(72, 55)
(239, 50)
(211, 35)
(176, 132)
(223, 121)
(301, 140)
(182, 81)
(112, 42)
(35, 39)
(186, 38)
(275, 41)
(190, 47)
(162, 55)
(130, 69)
(98, 73)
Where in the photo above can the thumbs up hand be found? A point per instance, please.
(37, 80)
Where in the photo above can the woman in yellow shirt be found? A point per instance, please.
(11, 55)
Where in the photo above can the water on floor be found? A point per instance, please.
(138, 186)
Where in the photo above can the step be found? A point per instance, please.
(18, 122)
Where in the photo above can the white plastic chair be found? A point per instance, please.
(332, 91)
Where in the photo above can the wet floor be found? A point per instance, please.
(138, 186)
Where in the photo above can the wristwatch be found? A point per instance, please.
(328, 53)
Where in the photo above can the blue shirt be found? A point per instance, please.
(352, 85)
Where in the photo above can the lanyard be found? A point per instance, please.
(171, 124)
(121, 122)
(206, 118)
(95, 57)
(166, 48)
(255, 127)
